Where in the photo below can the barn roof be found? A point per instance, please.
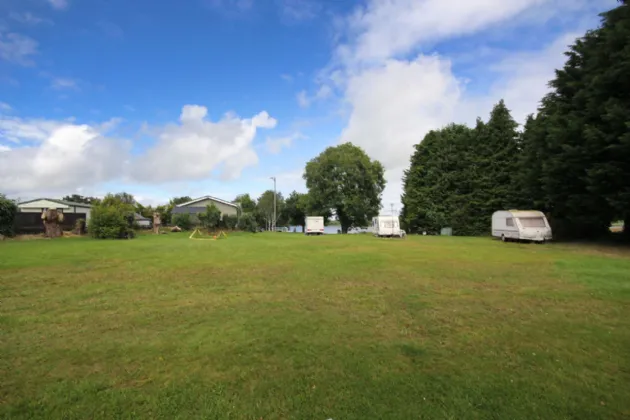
(207, 197)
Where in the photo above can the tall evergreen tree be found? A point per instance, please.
(583, 128)
(494, 157)
(435, 187)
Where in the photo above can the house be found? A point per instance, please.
(38, 205)
(142, 221)
(198, 206)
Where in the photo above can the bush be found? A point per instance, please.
(247, 223)
(211, 218)
(230, 222)
(110, 222)
(183, 220)
(8, 210)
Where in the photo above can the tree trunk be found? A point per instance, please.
(344, 228)
(626, 227)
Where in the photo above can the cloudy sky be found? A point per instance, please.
(196, 97)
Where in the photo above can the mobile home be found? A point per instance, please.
(387, 226)
(521, 225)
(314, 225)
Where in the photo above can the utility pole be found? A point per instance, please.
(275, 195)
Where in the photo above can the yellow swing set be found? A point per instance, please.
(197, 235)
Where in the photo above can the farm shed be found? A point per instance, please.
(38, 205)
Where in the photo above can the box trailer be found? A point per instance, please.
(387, 226)
(521, 225)
(314, 225)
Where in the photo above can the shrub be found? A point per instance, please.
(8, 210)
(230, 221)
(247, 223)
(183, 220)
(211, 218)
(110, 222)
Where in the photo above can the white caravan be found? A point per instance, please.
(525, 225)
(387, 226)
(314, 225)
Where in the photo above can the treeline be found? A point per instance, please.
(571, 160)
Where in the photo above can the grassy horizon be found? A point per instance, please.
(283, 326)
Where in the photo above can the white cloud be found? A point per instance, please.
(61, 83)
(394, 100)
(275, 144)
(58, 4)
(28, 18)
(324, 92)
(197, 148)
(287, 78)
(4, 148)
(17, 130)
(395, 105)
(56, 156)
(17, 48)
(304, 100)
(386, 29)
(522, 78)
(5, 107)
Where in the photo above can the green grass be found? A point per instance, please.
(282, 326)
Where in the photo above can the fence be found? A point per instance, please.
(31, 223)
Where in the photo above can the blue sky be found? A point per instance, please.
(196, 97)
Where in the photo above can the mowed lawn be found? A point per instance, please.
(282, 326)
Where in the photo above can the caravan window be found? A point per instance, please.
(532, 222)
(509, 221)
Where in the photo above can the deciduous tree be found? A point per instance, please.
(346, 180)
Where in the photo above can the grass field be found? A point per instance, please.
(281, 326)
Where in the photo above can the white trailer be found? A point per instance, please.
(314, 225)
(521, 225)
(388, 226)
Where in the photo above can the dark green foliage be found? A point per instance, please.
(571, 161)
(230, 222)
(76, 198)
(166, 211)
(211, 218)
(8, 210)
(265, 206)
(246, 203)
(344, 179)
(120, 199)
(113, 217)
(492, 167)
(459, 176)
(296, 208)
(145, 211)
(183, 220)
(575, 159)
(179, 200)
(247, 223)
